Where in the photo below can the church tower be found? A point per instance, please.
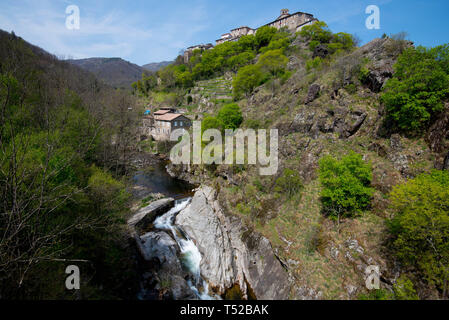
(284, 13)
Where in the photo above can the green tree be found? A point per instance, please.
(247, 43)
(107, 193)
(238, 61)
(264, 36)
(416, 93)
(210, 122)
(346, 185)
(318, 31)
(167, 76)
(273, 62)
(420, 225)
(246, 80)
(230, 116)
(184, 79)
(346, 40)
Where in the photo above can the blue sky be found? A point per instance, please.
(150, 31)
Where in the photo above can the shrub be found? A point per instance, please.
(210, 122)
(240, 60)
(289, 183)
(396, 44)
(363, 75)
(380, 294)
(420, 225)
(313, 63)
(404, 289)
(230, 116)
(110, 194)
(415, 95)
(264, 36)
(345, 184)
(351, 88)
(273, 62)
(253, 123)
(246, 80)
(345, 39)
(319, 33)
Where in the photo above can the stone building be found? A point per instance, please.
(166, 123)
(235, 34)
(189, 51)
(161, 123)
(293, 22)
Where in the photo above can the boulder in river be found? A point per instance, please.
(145, 216)
(161, 251)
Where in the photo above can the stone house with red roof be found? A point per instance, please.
(166, 120)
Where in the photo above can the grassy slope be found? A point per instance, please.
(302, 237)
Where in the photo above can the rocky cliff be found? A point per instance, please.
(236, 262)
(232, 254)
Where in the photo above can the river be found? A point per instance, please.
(157, 180)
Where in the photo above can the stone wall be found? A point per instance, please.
(293, 22)
(242, 31)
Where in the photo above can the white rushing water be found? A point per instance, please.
(190, 255)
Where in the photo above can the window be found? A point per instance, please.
(180, 123)
(176, 123)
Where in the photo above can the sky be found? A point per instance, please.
(144, 31)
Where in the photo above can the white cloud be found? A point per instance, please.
(109, 34)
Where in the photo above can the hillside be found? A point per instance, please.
(326, 105)
(156, 66)
(60, 174)
(115, 72)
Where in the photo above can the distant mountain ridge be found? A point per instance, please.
(156, 66)
(115, 72)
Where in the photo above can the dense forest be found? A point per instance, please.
(65, 142)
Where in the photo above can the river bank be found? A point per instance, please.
(190, 248)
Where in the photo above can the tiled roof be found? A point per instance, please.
(168, 117)
(242, 27)
(161, 112)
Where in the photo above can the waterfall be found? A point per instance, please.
(190, 255)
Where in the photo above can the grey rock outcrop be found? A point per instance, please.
(314, 92)
(383, 54)
(340, 120)
(160, 249)
(321, 51)
(446, 162)
(145, 216)
(438, 134)
(232, 254)
(160, 245)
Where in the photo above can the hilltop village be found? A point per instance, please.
(159, 123)
(293, 22)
